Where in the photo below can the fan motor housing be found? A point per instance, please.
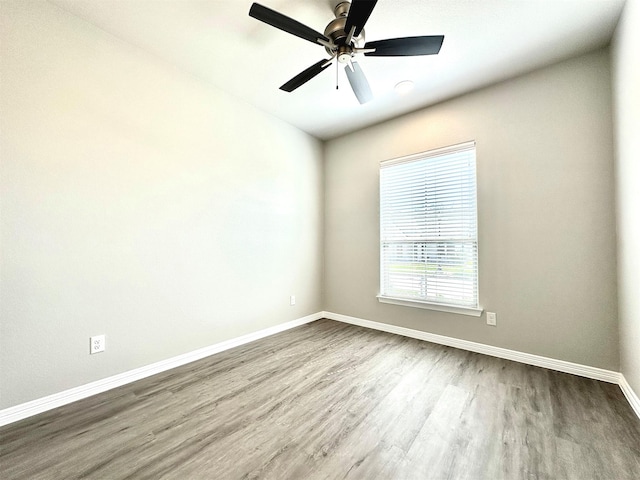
(336, 32)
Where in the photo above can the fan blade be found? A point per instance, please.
(406, 46)
(359, 13)
(285, 23)
(359, 83)
(305, 76)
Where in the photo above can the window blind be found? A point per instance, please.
(428, 227)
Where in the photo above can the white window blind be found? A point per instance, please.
(428, 223)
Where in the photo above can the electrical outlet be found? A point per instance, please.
(292, 300)
(97, 344)
(491, 319)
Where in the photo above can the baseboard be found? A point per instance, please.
(632, 397)
(34, 407)
(528, 358)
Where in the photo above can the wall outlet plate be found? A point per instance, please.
(97, 344)
(292, 300)
(491, 319)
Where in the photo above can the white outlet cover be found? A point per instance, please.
(292, 300)
(97, 344)
(491, 318)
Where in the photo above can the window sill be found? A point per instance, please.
(474, 312)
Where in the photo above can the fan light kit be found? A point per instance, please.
(343, 39)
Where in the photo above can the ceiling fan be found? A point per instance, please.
(343, 39)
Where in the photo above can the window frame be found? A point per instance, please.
(476, 310)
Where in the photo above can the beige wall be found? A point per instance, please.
(626, 84)
(140, 203)
(546, 213)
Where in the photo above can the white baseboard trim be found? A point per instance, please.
(34, 407)
(528, 358)
(632, 397)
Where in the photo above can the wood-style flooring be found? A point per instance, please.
(331, 401)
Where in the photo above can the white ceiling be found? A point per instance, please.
(485, 41)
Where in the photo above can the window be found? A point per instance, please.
(428, 230)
